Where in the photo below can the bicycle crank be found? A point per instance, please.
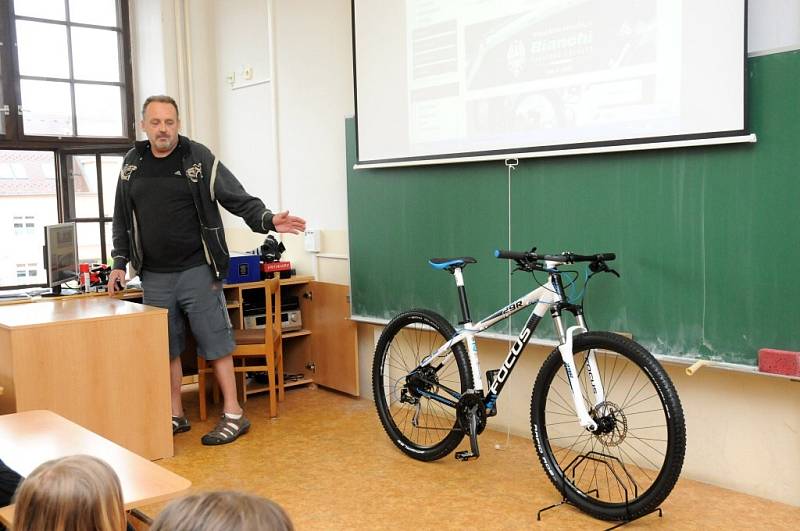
(471, 414)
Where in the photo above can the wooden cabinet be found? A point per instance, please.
(100, 362)
(324, 351)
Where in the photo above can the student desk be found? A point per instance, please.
(30, 438)
(100, 362)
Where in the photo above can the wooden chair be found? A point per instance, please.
(262, 347)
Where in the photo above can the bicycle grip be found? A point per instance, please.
(511, 255)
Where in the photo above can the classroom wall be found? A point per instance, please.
(315, 93)
(314, 86)
(743, 431)
(773, 25)
(153, 49)
(240, 32)
(172, 55)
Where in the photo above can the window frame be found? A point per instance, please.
(14, 136)
(66, 195)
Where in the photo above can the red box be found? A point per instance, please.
(271, 267)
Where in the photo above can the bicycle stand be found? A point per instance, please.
(622, 523)
(603, 459)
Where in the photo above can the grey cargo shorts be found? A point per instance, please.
(195, 294)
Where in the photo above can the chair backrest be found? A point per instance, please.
(247, 340)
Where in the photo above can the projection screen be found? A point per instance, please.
(447, 79)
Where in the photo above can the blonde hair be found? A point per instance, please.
(222, 511)
(74, 493)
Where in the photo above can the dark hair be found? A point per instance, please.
(162, 98)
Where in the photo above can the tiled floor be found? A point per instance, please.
(327, 461)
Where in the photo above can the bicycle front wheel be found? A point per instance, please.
(416, 405)
(630, 464)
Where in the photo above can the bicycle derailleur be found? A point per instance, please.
(470, 409)
(471, 416)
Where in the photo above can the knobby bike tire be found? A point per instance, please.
(640, 453)
(405, 341)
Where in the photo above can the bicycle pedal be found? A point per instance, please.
(465, 455)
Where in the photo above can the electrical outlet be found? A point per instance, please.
(247, 72)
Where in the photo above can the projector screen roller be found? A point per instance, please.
(470, 78)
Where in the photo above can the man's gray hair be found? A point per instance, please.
(161, 98)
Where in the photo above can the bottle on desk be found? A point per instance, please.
(86, 278)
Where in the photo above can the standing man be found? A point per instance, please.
(168, 228)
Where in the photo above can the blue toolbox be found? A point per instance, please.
(244, 268)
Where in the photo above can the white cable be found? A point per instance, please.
(511, 164)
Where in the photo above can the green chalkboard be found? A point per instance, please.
(707, 237)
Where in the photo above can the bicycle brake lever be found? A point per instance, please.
(601, 267)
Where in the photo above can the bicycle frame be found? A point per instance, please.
(548, 296)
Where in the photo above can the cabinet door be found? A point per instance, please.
(333, 337)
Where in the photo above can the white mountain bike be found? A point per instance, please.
(606, 420)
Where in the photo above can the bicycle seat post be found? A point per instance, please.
(462, 296)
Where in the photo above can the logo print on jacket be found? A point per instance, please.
(195, 173)
(125, 172)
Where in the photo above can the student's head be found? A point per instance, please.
(222, 511)
(73, 493)
(161, 124)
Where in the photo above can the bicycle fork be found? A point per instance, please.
(568, 359)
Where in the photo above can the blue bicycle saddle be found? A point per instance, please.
(448, 263)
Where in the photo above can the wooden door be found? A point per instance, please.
(334, 351)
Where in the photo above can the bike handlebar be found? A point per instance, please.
(566, 257)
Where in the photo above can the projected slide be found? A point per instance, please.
(532, 74)
(474, 76)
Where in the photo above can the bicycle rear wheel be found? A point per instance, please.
(412, 403)
(631, 463)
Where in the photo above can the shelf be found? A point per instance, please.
(298, 279)
(232, 304)
(263, 388)
(256, 388)
(296, 333)
(303, 381)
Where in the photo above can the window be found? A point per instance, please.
(89, 188)
(26, 205)
(66, 120)
(67, 79)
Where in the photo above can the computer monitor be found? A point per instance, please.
(60, 257)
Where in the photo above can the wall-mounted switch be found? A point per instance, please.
(312, 240)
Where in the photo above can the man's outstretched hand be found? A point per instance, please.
(285, 223)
